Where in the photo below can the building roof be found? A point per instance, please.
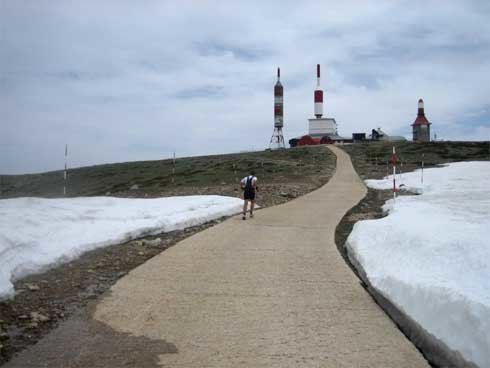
(378, 134)
(393, 138)
(320, 136)
(334, 137)
(421, 120)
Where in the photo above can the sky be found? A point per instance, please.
(137, 80)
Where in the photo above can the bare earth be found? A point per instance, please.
(272, 291)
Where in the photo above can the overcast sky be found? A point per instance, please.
(136, 80)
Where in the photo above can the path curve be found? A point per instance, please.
(268, 292)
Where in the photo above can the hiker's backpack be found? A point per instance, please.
(248, 184)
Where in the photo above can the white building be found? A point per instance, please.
(319, 127)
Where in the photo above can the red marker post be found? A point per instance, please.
(393, 163)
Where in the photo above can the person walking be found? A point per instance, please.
(249, 187)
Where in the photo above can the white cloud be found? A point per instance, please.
(121, 80)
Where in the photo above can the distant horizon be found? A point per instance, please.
(124, 81)
(218, 154)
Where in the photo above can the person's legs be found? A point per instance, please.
(252, 204)
(245, 202)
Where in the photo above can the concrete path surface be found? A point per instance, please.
(272, 291)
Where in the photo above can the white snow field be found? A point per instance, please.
(37, 232)
(431, 255)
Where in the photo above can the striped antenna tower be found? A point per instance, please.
(64, 173)
(277, 139)
(318, 96)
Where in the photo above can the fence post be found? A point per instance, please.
(393, 162)
(173, 168)
(64, 173)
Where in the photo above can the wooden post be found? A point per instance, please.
(173, 168)
(393, 162)
(64, 173)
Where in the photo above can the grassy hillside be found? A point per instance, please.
(289, 172)
(373, 160)
(217, 174)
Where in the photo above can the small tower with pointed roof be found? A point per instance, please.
(421, 126)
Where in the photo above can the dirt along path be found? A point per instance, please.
(272, 291)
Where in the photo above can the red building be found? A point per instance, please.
(421, 126)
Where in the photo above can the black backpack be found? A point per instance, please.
(248, 185)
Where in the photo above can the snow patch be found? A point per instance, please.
(37, 232)
(431, 256)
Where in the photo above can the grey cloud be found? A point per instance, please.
(123, 80)
(204, 91)
(240, 53)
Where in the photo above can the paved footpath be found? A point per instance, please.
(272, 291)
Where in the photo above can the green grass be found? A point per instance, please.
(156, 176)
(371, 159)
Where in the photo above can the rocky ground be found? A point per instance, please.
(44, 300)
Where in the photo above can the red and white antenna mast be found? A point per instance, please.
(318, 95)
(277, 139)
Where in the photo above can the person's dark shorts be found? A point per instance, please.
(249, 195)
